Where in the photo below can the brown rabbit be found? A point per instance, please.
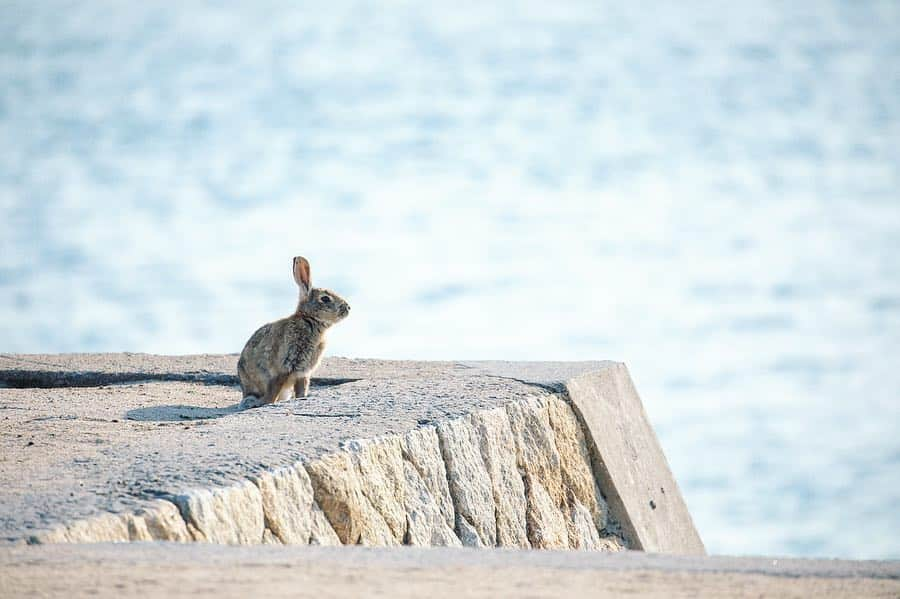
(280, 356)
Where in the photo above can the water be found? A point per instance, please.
(709, 192)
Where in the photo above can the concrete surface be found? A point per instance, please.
(87, 438)
(165, 569)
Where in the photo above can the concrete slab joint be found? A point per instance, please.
(478, 454)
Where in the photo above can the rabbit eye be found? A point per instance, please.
(325, 299)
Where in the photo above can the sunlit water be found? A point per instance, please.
(709, 192)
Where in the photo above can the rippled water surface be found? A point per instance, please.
(709, 192)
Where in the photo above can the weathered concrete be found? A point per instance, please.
(169, 570)
(384, 453)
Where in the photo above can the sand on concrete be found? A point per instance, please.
(201, 570)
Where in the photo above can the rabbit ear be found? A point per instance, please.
(301, 275)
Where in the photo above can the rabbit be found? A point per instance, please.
(280, 357)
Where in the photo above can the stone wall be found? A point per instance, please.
(514, 476)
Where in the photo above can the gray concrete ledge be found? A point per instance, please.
(140, 447)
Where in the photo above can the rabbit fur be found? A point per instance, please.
(279, 358)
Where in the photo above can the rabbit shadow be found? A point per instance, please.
(179, 413)
(183, 412)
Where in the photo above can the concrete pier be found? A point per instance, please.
(125, 447)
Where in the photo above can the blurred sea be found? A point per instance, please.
(707, 191)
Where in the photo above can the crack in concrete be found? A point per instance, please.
(337, 415)
(551, 387)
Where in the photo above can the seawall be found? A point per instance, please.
(129, 447)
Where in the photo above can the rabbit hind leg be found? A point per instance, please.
(273, 392)
(286, 391)
(301, 387)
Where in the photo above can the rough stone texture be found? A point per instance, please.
(575, 463)
(232, 515)
(373, 495)
(164, 522)
(109, 527)
(379, 467)
(269, 538)
(421, 448)
(321, 533)
(384, 453)
(338, 490)
(582, 530)
(498, 452)
(158, 521)
(539, 460)
(547, 527)
(426, 525)
(291, 513)
(470, 483)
